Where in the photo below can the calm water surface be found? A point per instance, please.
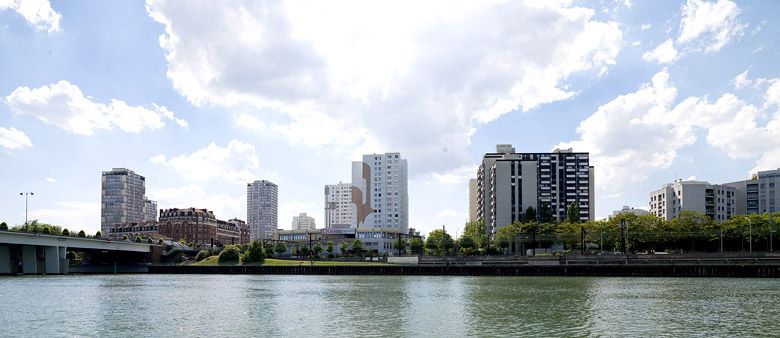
(349, 306)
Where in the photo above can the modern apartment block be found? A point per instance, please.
(473, 200)
(380, 192)
(303, 222)
(714, 200)
(759, 194)
(262, 209)
(630, 210)
(508, 183)
(150, 210)
(338, 205)
(121, 198)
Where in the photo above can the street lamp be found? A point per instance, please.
(25, 194)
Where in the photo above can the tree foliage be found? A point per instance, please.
(3, 226)
(357, 247)
(254, 254)
(203, 254)
(229, 254)
(416, 245)
(439, 242)
(530, 214)
(280, 248)
(98, 234)
(573, 213)
(82, 234)
(317, 248)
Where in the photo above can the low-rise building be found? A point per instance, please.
(714, 200)
(147, 229)
(376, 240)
(200, 226)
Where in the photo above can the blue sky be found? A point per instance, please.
(202, 97)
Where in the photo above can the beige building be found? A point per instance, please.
(338, 205)
(303, 222)
(473, 200)
(714, 200)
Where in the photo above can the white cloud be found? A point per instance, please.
(741, 80)
(459, 175)
(224, 206)
(73, 215)
(665, 53)
(62, 104)
(639, 133)
(12, 138)
(709, 25)
(450, 213)
(235, 163)
(350, 75)
(37, 13)
(646, 26)
(51, 179)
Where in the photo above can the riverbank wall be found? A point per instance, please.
(766, 271)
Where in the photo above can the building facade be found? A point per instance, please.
(303, 222)
(473, 200)
(630, 210)
(200, 226)
(508, 183)
(376, 240)
(338, 205)
(714, 200)
(380, 192)
(150, 210)
(121, 198)
(262, 209)
(759, 194)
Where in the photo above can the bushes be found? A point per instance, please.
(138, 239)
(82, 234)
(124, 238)
(46, 230)
(254, 254)
(3, 226)
(65, 232)
(230, 254)
(98, 234)
(203, 254)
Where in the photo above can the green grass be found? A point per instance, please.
(212, 261)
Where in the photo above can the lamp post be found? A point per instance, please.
(25, 194)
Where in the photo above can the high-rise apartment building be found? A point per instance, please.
(380, 192)
(303, 222)
(473, 200)
(508, 183)
(262, 209)
(150, 210)
(338, 205)
(714, 200)
(759, 194)
(122, 198)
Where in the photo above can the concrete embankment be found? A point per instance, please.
(605, 270)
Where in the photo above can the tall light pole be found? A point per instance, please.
(25, 194)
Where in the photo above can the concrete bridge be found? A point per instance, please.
(45, 254)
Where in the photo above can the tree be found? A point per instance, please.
(317, 249)
(357, 247)
(269, 249)
(344, 247)
(304, 251)
(530, 215)
(330, 248)
(98, 234)
(416, 245)
(477, 231)
(3, 226)
(280, 248)
(82, 234)
(254, 253)
(65, 232)
(138, 239)
(440, 242)
(467, 246)
(399, 244)
(230, 254)
(545, 214)
(203, 254)
(46, 230)
(573, 213)
(124, 238)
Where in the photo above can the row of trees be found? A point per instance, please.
(35, 226)
(691, 231)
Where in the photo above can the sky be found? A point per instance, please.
(201, 97)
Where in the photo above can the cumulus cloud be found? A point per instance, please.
(704, 26)
(62, 104)
(639, 133)
(37, 13)
(51, 179)
(12, 138)
(664, 53)
(357, 77)
(235, 163)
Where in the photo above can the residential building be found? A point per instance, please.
(122, 198)
(380, 192)
(150, 210)
(302, 222)
(200, 226)
(376, 240)
(145, 229)
(262, 209)
(473, 200)
(508, 183)
(714, 200)
(338, 205)
(759, 194)
(630, 210)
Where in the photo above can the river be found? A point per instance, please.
(391, 306)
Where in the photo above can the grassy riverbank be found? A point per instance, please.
(212, 261)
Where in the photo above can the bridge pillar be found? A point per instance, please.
(5, 259)
(29, 259)
(52, 259)
(64, 262)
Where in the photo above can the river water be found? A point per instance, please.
(391, 306)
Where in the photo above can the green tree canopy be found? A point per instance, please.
(229, 254)
(254, 254)
(477, 231)
(65, 232)
(84, 235)
(330, 248)
(280, 248)
(317, 248)
(3, 226)
(399, 244)
(440, 242)
(357, 246)
(467, 246)
(573, 213)
(344, 247)
(416, 245)
(98, 234)
(530, 215)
